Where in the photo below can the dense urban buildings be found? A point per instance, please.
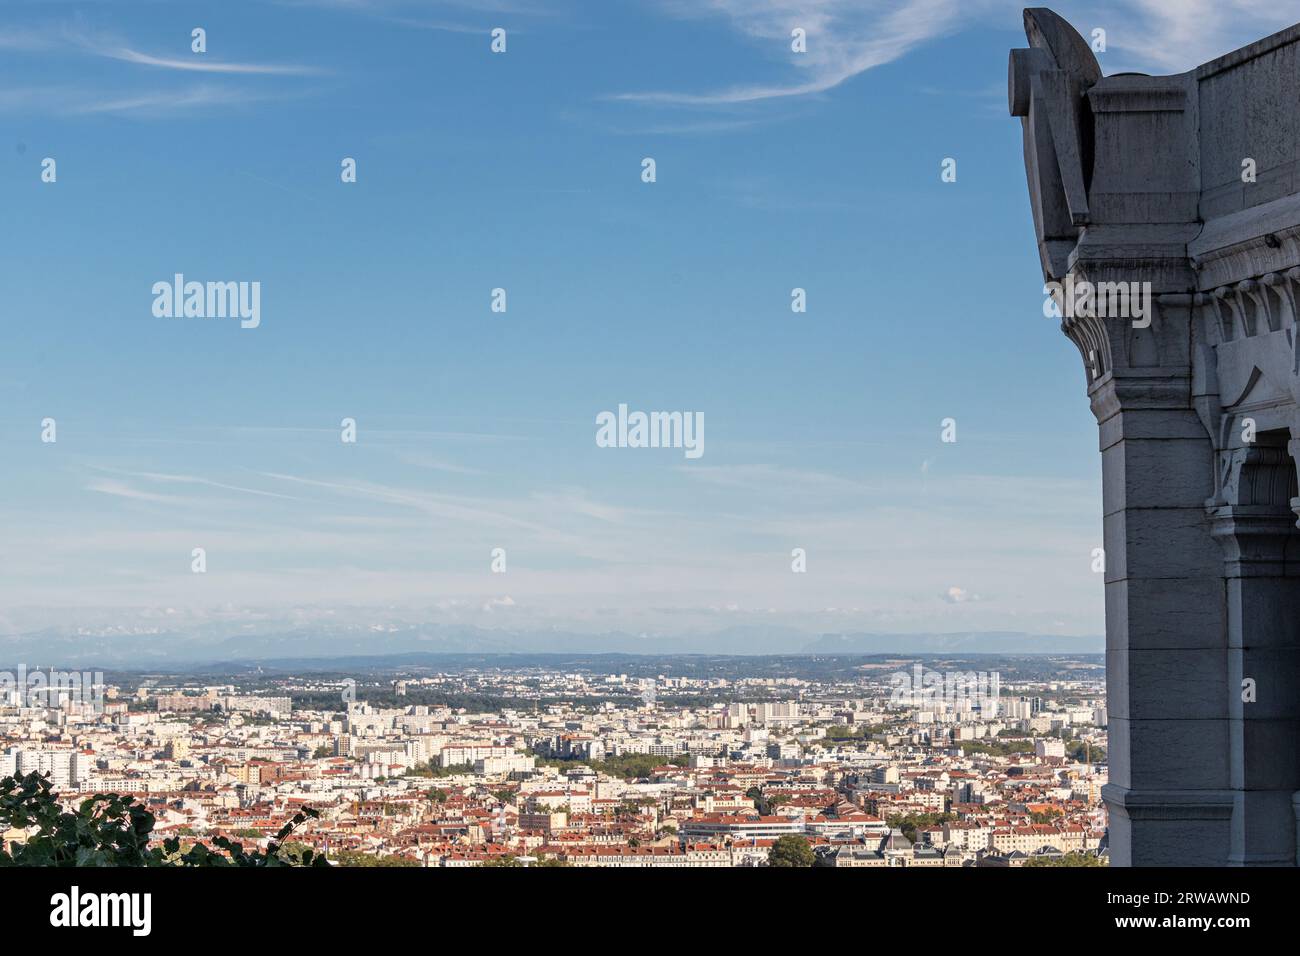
(869, 762)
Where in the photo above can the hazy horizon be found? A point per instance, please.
(477, 493)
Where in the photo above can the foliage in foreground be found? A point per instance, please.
(108, 829)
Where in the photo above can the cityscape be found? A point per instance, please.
(591, 761)
(358, 521)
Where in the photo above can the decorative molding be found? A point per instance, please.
(1251, 307)
(1169, 804)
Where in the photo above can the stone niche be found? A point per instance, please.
(1188, 186)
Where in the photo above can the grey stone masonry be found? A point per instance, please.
(1167, 213)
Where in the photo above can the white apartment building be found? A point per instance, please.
(1049, 748)
(455, 755)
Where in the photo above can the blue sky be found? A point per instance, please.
(476, 429)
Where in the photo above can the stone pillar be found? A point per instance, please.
(1151, 180)
(1293, 560)
(1168, 795)
(1258, 534)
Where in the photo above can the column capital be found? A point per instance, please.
(1249, 513)
(1255, 539)
(1135, 362)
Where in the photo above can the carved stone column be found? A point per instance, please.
(1168, 796)
(1294, 448)
(1113, 184)
(1253, 521)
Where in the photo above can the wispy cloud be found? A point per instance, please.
(98, 43)
(200, 480)
(201, 64)
(415, 14)
(75, 39)
(444, 507)
(422, 460)
(844, 38)
(160, 102)
(848, 37)
(120, 489)
(1172, 37)
(74, 100)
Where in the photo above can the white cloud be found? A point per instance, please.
(120, 489)
(199, 63)
(845, 38)
(52, 41)
(198, 480)
(849, 37)
(1172, 37)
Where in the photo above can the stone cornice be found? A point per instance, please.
(1169, 804)
(1247, 244)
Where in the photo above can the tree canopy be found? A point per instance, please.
(108, 829)
(791, 850)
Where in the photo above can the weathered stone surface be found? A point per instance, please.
(1159, 543)
(1161, 473)
(1170, 754)
(1182, 684)
(1165, 613)
(1139, 179)
(1276, 686)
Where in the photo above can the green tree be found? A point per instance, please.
(791, 850)
(433, 769)
(108, 829)
(912, 822)
(1080, 750)
(1074, 858)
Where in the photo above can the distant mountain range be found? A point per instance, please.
(123, 648)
